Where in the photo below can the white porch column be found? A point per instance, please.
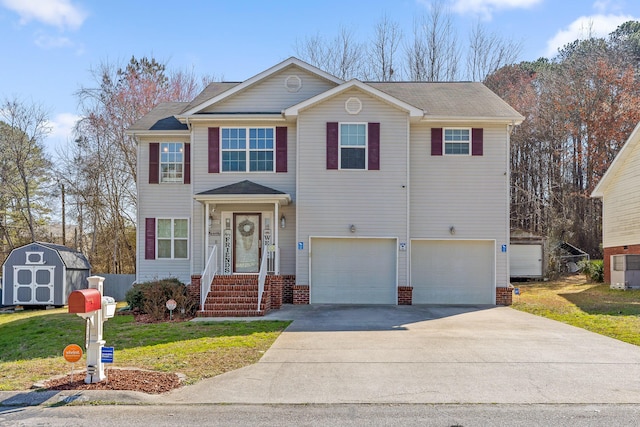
(276, 237)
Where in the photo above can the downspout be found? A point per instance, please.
(510, 128)
(408, 209)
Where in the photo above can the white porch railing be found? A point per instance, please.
(208, 274)
(262, 277)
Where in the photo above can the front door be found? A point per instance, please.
(247, 242)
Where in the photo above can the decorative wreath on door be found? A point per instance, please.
(246, 228)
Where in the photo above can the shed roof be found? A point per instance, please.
(71, 258)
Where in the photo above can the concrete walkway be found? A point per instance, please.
(420, 354)
(413, 354)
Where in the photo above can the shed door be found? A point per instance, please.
(353, 271)
(525, 260)
(33, 284)
(453, 271)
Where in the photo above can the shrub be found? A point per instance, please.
(593, 270)
(151, 298)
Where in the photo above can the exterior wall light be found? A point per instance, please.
(452, 230)
(283, 222)
(352, 228)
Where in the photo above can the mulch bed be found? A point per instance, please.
(119, 379)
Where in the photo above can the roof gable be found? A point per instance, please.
(618, 163)
(294, 110)
(195, 108)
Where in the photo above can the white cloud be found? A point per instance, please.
(59, 13)
(46, 41)
(62, 129)
(585, 27)
(486, 8)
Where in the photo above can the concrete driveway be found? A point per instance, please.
(425, 354)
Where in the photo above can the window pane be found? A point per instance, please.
(164, 228)
(180, 228)
(261, 161)
(456, 148)
(352, 158)
(180, 248)
(164, 248)
(261, 139)
(234, 161)
(353, 135)
(171, 159)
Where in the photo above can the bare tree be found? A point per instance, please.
(433, 54)
(342, 56)
(24, 165)
(489, 52)
(382, 64)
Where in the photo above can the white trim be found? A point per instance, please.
(182, 150)
(282, 199)
(262, 117)
(617, 163)
(444, 141)
(276, 68)
(366, 146)
(173, 238)
(294, 110)
(158, 133)
(248, 150)
(516, 120)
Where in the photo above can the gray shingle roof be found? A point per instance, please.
(243, 187)
(161, 118)
(71, 258)
(455, 99)
(211, 91)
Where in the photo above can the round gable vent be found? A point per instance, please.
(353, 105)
(293, 83)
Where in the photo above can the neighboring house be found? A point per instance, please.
(351, 192)
(619, 190)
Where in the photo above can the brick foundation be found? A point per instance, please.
(617, 250)
(301, 294)
(288, 283)
(504, 296)
(275, 289)
(405, 295)
(194, 287)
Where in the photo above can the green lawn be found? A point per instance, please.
(31, 344)
(590, 306)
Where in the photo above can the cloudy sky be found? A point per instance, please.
(49, 46)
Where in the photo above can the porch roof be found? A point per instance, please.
(244, 192)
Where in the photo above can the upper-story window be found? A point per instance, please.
(171, 161)
(353, 146)
(457, 141)
(247, 149)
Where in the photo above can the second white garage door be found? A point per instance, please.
(453, 271)
(353, 271)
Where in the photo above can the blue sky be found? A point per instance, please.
(49, 46)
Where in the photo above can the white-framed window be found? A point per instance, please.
(353, 146)
(171, 162)
(457, 141)
(248, 149)
(172, 238)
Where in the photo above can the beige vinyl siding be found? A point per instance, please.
(329, 201)
(469, 193)
(621, 204)
(271, 95)
(153, 203)
(202, 180)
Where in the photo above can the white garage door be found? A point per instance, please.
(353, 271)
(525, 260)
(453, 271)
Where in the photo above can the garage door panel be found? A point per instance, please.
(353, 271)
(525, 260)
(453, 272)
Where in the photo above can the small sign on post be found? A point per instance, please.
(72, 353)
(171, 305)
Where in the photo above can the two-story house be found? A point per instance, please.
(319, 190)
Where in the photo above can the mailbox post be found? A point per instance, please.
(92, 306)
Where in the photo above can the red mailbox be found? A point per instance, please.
(85, 301)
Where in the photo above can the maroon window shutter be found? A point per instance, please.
(281, 149)
(154, 162)
(476, 142)
(332, 145)
(187, 163)
(149, 238)
(214, 150)
(374, 146)
(436, 141)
